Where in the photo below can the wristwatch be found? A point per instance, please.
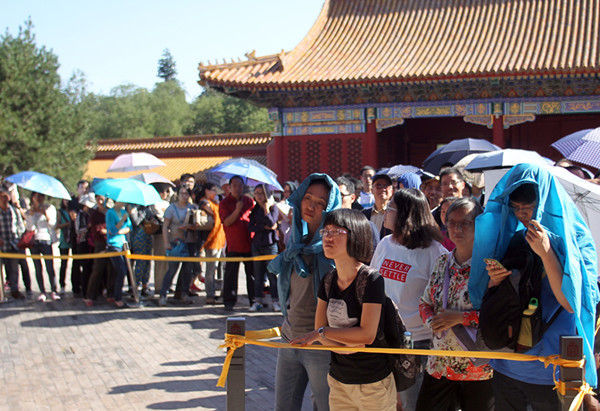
(321, 332)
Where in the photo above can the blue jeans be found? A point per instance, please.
(211, 270)
(295, 370)
(260, 269)
(44, 248)
(187, 269)
(120, 267)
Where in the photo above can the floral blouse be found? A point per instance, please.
(453, 368)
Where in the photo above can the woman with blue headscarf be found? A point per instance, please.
(300, 269)
(529, 205)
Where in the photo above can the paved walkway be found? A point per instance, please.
(64, 356)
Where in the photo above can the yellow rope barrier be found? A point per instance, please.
(135, 257)
(254, 338)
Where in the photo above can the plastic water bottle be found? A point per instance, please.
(408, 340)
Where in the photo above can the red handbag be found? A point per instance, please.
(27, 240)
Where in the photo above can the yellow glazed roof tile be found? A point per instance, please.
(363, 41)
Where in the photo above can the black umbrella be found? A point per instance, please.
(454, 151)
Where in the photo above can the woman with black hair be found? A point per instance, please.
(447, 310)
(356, 380)
(406, 258)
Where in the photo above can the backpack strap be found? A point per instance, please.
(361, 281)
(553, 318)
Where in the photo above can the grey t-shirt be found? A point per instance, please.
(302, 304)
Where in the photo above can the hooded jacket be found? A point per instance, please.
(291, 259)
(570, 239)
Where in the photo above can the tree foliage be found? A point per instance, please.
(50, 129)
(166, 66)
(41, 125)
(218, 113)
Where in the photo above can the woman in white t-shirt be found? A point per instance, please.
(406, 259)
(41, 218)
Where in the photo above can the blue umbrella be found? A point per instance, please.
(252, 171)
(582, 146)
(454, 151)
(127, 190)
(40, 183)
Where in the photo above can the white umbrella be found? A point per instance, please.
(152, 177)
(134, 162)
(584, 194)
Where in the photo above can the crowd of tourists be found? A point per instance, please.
(344, 247)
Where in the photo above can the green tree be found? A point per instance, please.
(125, 113)
(172, 113)
(214, 113)
(166, 66)
(42, 127)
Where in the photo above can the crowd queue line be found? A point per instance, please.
(419, 237)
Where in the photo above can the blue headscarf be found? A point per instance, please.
(291, 259)
(569, 235)
(410, 180)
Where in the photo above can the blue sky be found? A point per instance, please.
(119, 42)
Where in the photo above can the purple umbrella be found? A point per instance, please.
(582, 146)
(454, 151)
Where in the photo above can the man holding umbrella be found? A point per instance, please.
(234, 211)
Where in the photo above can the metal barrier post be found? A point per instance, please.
(236, 378)
(571, 348)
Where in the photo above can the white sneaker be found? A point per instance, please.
(162, 302)
(276, 306)
(256, 307)
(63, 291)
(42, 297)
(54, 296)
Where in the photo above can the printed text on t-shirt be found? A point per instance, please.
(394, 270)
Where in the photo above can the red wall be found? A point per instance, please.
(295, 157)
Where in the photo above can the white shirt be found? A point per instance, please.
(366, 199)
(44, 227)
(406, 274)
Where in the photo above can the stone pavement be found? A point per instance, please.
(62, 355)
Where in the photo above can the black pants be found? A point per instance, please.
(103, 275)
(445, 394)
(63, 267)
(11, 266)
(230, 281)
(81, 270)
(515, 395)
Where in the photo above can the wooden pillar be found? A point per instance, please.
(370, 146)
(275, 158)
(498, 132)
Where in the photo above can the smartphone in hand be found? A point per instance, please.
(494, 263)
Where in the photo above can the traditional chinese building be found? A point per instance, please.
(190, 154)
(383, 82)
